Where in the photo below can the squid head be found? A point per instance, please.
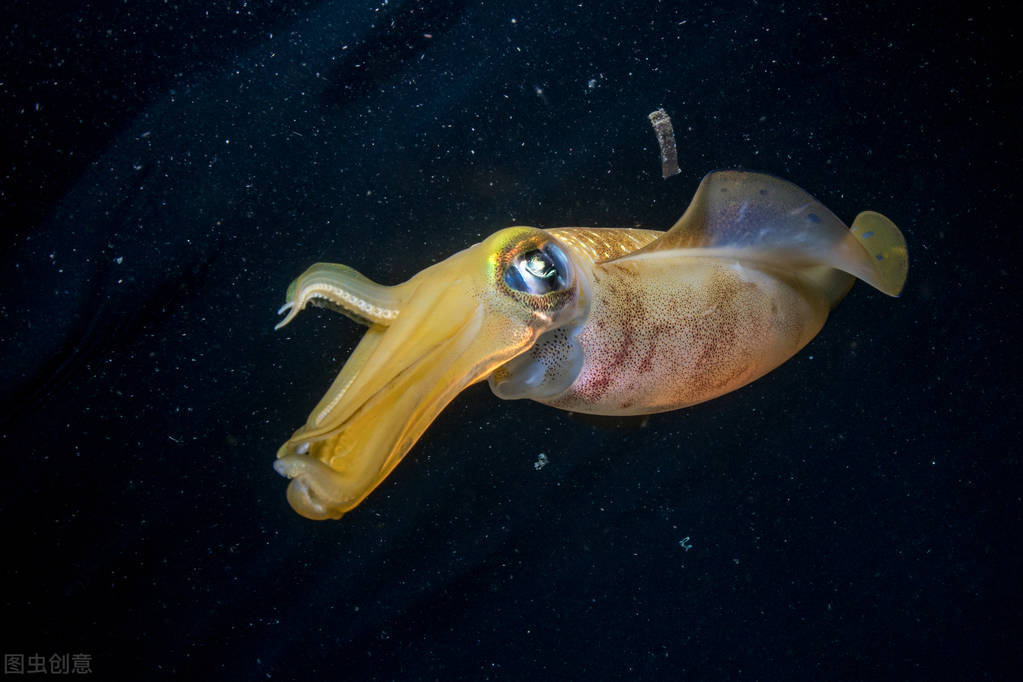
(448, 327)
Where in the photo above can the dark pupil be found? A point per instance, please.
(534, 272)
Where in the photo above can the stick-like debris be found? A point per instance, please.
(666, 139)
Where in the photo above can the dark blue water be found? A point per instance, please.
(169, 169)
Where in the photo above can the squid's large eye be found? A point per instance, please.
(539, 271)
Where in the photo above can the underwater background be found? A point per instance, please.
(169, 168)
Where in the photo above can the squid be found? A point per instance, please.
(602, 321)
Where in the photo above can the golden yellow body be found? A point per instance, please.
(602, 321)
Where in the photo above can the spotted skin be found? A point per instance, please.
(667, 333)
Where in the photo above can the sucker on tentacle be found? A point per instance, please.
(343, 289)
